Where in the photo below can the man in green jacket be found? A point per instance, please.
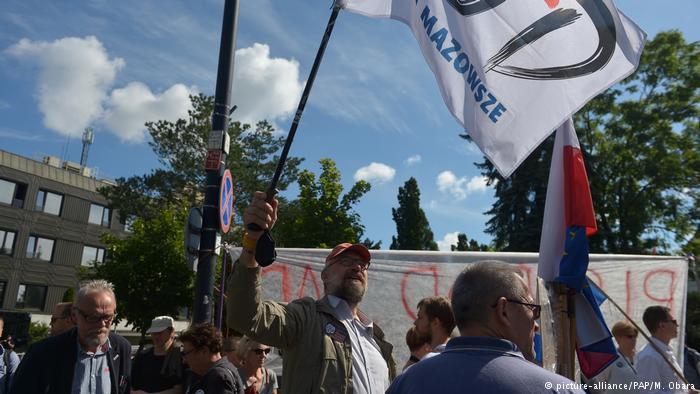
(328, 345)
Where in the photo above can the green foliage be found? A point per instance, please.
(148, 268)
(37, 332)
(320, 217)
(641, 143)
(466, 244)
(68, 295)
(181, 147)
(516, 215)
(412, 228)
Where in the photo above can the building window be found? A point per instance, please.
(99, 215)
(7, 242)
(31, 297)
(39, 248)
(49, 202)
(3, 285)
(12, 193)
(129, 224)
(91, 255)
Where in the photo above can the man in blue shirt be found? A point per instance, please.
(496, 317)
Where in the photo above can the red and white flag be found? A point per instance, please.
(568, 221)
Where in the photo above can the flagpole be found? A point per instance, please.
(639, 330)
(265, 248)
(565, 326)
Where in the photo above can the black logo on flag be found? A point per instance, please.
(597, 10)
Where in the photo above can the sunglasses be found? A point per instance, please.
(261, 351)
(54, 319)
(674, 321)
(107, 319)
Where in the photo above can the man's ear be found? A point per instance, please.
(501, 314)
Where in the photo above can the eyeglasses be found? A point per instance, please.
(261, 351)
(674, 321)
(351, 262)
(54, 319)
(107, 319)
(535, 308)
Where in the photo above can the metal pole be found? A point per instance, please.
(203, 302)
(222, 295)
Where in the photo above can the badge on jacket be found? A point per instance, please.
(337, 334)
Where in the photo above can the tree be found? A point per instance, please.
(412, 228)
(466, 244)
(37, 332)
(516, 215)
(642, 154)
(181, 147)
(148, 269)
(320, 217)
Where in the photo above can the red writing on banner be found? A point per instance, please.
(404, 283)
(657, 274)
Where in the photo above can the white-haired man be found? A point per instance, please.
(86, 359)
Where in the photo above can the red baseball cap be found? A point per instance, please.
(345, 247)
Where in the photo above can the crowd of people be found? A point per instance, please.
(328, 345)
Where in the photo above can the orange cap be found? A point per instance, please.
(345, 247)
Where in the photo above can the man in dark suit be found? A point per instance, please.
(87, 358)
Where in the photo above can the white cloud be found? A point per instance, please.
(460, 188)
(264, 87)
(130, 107)
(375, 172)
(447, 241)
(415, 159)
(74, 77)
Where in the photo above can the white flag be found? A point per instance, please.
(511, 71)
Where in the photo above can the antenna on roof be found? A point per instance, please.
(88, 137)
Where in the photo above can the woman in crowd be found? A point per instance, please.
(256, 378)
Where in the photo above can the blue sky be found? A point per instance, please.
(375, 108)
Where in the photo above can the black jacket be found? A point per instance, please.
(48, 365)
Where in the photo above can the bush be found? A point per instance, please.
(37, 332)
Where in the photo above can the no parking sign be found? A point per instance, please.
(226, 202)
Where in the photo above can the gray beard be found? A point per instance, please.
(350, 293)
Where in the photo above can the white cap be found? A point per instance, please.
(160, 323)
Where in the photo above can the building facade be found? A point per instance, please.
(51, 220)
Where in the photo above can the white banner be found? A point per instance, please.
(511, 71)
(399, 279)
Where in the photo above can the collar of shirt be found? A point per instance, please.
(343, 312)
(101, 350)
(490, 344)
(666, 348)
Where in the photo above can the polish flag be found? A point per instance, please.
(569, 220)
